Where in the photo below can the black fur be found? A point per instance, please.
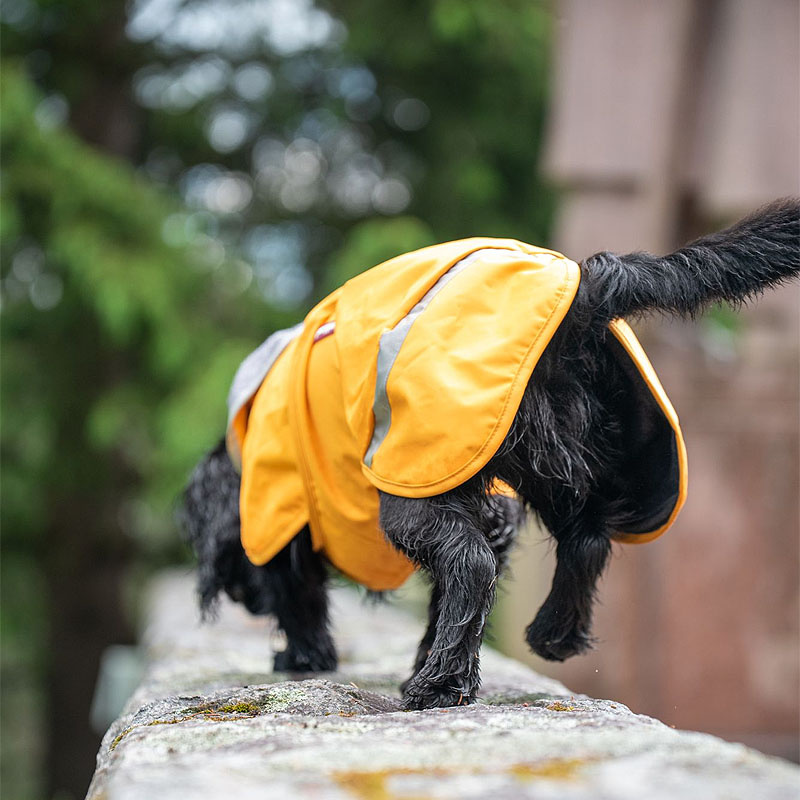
(573, 437)
(292, 586)
(731, 266)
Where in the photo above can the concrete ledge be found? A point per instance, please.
(211, 720)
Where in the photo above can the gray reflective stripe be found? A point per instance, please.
(254, 368)
(392, 340)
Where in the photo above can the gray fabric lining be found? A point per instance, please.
(392, 340)
(254, 368)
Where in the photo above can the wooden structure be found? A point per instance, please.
(670, 119)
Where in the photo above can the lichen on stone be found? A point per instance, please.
(557, 768)
(559, 706)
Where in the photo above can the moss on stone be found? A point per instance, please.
(209, 711)
(276, 699)
(241, 708)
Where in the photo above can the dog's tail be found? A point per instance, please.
(210, 519)
(731, 266)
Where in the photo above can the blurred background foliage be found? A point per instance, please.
(179, 179)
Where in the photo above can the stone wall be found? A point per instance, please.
(211, 720)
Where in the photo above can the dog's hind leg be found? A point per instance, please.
(424, 648)
(501, 521)
(442, 536)
(504, 516)
(297, 578)
(562, 626)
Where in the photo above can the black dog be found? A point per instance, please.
(569, 445)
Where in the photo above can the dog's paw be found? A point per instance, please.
(418, 695)
(557, 645)
(301, 661)
(406, 683)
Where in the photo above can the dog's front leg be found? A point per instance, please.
(438, 534)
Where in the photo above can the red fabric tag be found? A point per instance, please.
(324, 330)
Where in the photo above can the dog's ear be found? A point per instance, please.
(731, 266)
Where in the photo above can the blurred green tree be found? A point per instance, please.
(463, 88)
(114, 379)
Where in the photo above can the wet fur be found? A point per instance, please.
(562, 455)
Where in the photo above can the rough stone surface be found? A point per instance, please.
(211, 720)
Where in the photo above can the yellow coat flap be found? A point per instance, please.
(461, 346)
(626, 337)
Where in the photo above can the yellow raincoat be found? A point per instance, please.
(406, 379)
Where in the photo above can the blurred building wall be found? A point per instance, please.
(670, 119)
